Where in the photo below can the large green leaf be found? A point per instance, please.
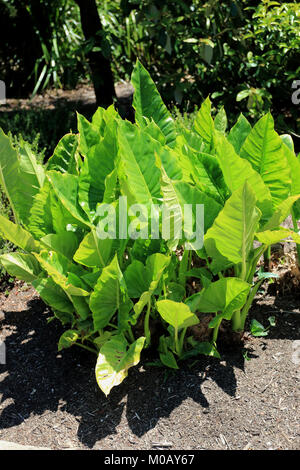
(93, 251)
(63, 273)
(9, 172)
(98, 165)
(236, 171)
(137, 278)
(232, 233)
(138, 174)
(40, 221)
(67, 339)
(224, 296)
(294, 164)
(176, 314)
(21, 265)
(64, 243)
(204, 124)
(89, 135)
(21, 177)
(263, 148)
(270, 237)
(203, 170)
(147, 103)
(17, 235)
(220, 121)
(281, 213)
(239, 132)
(53, 295)
(114, 360)
(110, 296)
(65, 187)
(31, 179)
(103, 118)
(65, 157)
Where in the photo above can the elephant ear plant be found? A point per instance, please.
(119, 284)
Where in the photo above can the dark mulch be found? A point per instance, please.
(51, 399)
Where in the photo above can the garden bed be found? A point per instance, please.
(51, 399)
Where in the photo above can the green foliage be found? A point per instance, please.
(106, 276)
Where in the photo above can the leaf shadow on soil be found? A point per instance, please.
(37, 379)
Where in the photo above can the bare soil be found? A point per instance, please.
(51, 399)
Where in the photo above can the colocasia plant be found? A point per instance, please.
(120, 284)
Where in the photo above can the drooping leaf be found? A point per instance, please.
(281, 213)
(17, 235)
(53, 295)
(67, 339)
(114, 360)
(271, 237)
(21, 265)
(60, 269)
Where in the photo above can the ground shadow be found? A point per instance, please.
(36, 378)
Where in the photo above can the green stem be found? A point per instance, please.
(267, 256)
(236, 321)
(181, 340)
(296, 229)
(130, 334)
(164, 288)
(248, 304)
(146, 325)
(183, 268)
(216, 331)
(87, 348)
(177, 348)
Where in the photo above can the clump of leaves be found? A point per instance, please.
(124, 289)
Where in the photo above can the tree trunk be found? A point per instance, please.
(101, 73)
